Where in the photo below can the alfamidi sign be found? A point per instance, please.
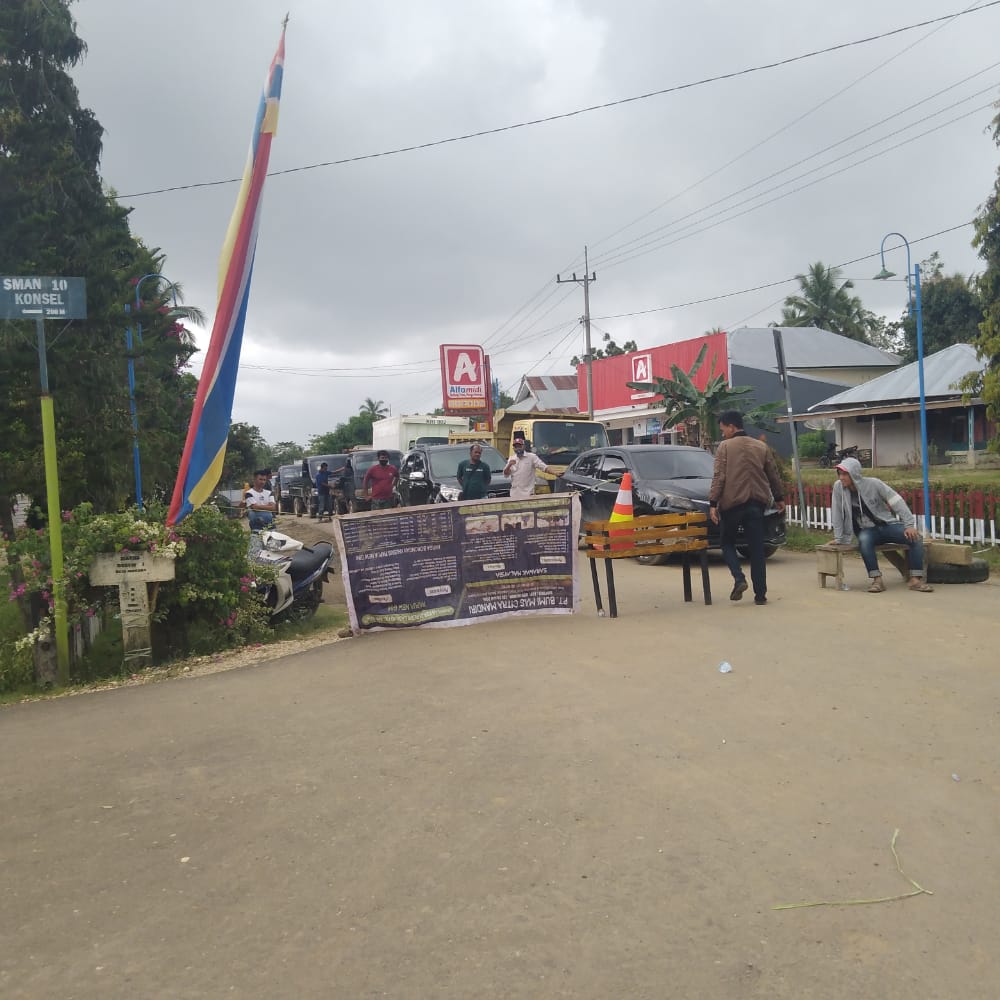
(465, 379)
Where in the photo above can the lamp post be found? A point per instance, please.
(132, 338)
(913, 303)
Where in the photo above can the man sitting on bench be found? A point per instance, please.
(877, 514)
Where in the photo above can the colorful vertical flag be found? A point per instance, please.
(208, 432)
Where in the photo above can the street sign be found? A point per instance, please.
(38, 297)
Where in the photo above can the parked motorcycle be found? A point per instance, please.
(834, 455)
(300, 573)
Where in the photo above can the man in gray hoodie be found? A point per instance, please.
(877, 514)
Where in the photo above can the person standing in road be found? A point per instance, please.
(474, 474)
(379, 482)
(876, 513)
(324, 506)
(744, 481)
(521, 467)
(259, 502)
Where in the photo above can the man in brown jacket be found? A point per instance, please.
(745, 479)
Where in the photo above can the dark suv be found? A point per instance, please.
(348, 492)
(288, 477)
(428, 473)
(303, 489)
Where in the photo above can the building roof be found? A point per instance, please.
(551, 393)
(941, 371)
(805, 347)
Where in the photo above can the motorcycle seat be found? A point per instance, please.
(305, 562)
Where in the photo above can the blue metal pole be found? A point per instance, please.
(923, 402)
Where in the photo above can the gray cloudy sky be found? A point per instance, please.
(363, 269)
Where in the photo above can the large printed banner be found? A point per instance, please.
(454, 564)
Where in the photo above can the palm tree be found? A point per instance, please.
(825, 303)
(374, 408)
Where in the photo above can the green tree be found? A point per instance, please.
(609, 350)
(374, 408)
(285, 453)
(356, 431)
(986, 383)
(246, 451)
(684, 401)
(951, 313)
(825, 301)
(58, 220)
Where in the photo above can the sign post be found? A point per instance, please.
(41, 298)
(129, 572)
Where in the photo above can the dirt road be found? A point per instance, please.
(540, 807)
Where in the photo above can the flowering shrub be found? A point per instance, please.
(213, 602)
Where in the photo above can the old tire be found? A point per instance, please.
(976, 572)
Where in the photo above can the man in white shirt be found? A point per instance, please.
(521, 467)
(259, 502)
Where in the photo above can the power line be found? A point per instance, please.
(665, 241)
(790, 124)
(622, 250)
(579, 111)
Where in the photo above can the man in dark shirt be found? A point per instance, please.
(379, 482)
(323, 504)
(473, 474)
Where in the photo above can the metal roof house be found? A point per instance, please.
(549, 393)
(884, 414)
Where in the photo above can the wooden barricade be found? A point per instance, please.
(650, 535)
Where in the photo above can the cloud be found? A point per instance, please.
(375, 263)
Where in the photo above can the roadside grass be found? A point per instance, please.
(103, 666)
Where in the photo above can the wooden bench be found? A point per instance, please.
(655, 534)
(830, 560)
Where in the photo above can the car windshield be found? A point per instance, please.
(444, 461)
(673, 464)
(562, 441)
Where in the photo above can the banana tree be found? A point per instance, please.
(683, 401)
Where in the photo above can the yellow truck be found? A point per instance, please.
(556, 438)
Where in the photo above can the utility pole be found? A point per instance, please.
(586, 281)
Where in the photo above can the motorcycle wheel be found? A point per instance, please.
(304, 606)
(824, 462)
(297, 506)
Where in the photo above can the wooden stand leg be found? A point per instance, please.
(612, 601)
(597, 586)
(706, 585)
(686, 573)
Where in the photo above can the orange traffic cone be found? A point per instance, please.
(622, 513)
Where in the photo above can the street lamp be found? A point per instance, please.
(129, 342)
(914, 300)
